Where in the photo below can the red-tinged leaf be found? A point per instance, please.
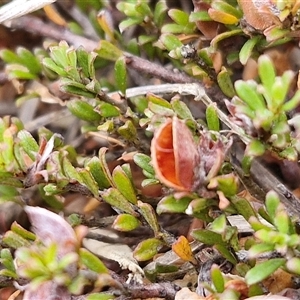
(121, 74)
(92, 261)
(51, 228)
(124, 184)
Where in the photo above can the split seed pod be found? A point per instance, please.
(260, 14)
(174, 155)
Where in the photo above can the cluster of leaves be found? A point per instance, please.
(51, 259)
(261, 110)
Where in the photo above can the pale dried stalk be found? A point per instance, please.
(18, 8)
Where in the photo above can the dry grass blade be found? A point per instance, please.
(18, 8)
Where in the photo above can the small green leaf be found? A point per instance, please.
(282, 220)
(17, 228)
(181, 109)
(109, 51)
(266, 72)
(177, 29)
(249, 95)
(219, 224)
(225, 82)
(123, 183)
(83, 61)
(228, 184)
(14, 240)
(59, 54)
(257, 225)
(272, 202)
(100, 296)
(83, 110)
(128, 131)
(73, 87)
(217, 278)
(243, 207)
(170, 41)
(20, 72)
(170, 204)
(199, 204)
(92, 261)
(104, 165)
(143, 161)
(70, 171)
(260, 248)
(88, 180)
(114, 197)
(262, 270)
(226, 8)
(97, 170)
(125, 222)
(7, 151)
(29, 60)
(28, 143)
(128, 23)
(107, 110)
(10, 57)
(293, 265)
(146, 249)
(226, 252)
(247, 49)
(8, 273)
(255, 148)
(179, 16)
(159, 105)
(149, 214)
(279, 92)
(289, 153)
(199, 16)
(160, 13)
(292, 103)
(212, 119)
(50, 64)
(7, 260)
(121, 74)
(207, 237)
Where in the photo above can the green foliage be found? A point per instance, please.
(264, 109)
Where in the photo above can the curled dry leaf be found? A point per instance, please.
(174, 155)
(180, 163)
(52, 228)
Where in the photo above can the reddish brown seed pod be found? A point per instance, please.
(260, 14)
(174, 155)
